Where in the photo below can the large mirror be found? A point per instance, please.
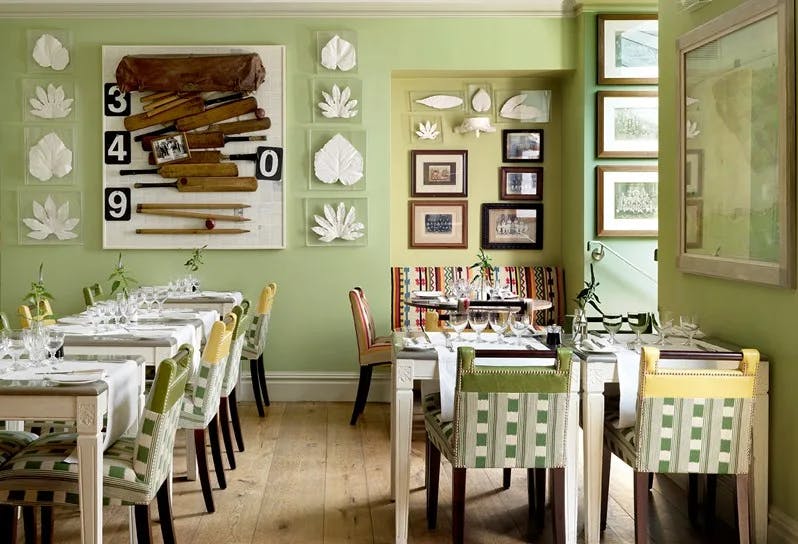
(737, 145)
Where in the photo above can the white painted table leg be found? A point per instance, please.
(393, 431)
(759, 471)
(90, 477)
(593, 433)
(402, 428)
(571, 464)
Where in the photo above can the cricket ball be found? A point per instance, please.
(210, 224)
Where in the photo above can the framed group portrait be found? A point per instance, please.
(512, 226)
(439, 173)
(628, 124)
(438, 224)
(521, 183)
(628, 49)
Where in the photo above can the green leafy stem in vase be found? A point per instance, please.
(588, 294)
(484, 267)
(38, 295)
(120, 278)
(194, 262)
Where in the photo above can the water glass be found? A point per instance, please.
(689, 324)
(55, 340)
(161, 295)
(612, 324)
(499, 321)
(519, 323)
(458, 321)
(35, 341)
(663, 326)
(15, 346)
(638, 322)
(478, 319)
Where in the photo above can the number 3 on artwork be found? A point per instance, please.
(117, 103)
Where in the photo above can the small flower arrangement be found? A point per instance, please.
(120, 278)
(38, 296)
(194, 262)
(588, 294)
(484, 266)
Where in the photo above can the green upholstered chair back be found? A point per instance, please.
(233, 367)
(258, 329)
(540, 282)
(513, 416)
(92, 293)
(695, 420)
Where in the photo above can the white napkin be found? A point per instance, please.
(84, 330)
(628, 381)
(74, 320)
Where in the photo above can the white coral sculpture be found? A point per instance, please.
(52, 103)
(692, 129)
(338, 104)
(50, 53)
(49, 220)
(338, 224)
(427, 131)
(49, 157)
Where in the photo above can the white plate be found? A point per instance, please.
(76, 379)
(427, 294)
(418, 347)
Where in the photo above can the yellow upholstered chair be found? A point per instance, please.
(371, 349)
(26, 316)
(255, 342)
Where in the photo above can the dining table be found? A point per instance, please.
(104, 403)
(221, 301)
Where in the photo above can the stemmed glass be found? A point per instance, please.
(458, 321)
(148, 296)
(3, 343)
(478, 319)
(160, 297)
(663, 326)
(689, 324)
(519, 323)
(16, 346)
(55, 340)
(499, 321)
(638, 322)
(612, 324)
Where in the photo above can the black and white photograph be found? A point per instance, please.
(521, 183)
(170, 148)
(519, 145)
(438, 224)
(439, 173)
(512, 226)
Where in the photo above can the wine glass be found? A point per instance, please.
(612, 324)
(689, 324)
(519, 323)
(638, 322)
(55, 340)
(458, 321)
(663, 326)
(499, 321)
(16, 346)
(3, 343)
(478, 319)
(148, 296)
(160, 297)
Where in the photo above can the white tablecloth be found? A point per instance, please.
(235, 295)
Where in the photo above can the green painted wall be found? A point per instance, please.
(747, 314)
(311, 329)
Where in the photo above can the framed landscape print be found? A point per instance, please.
(521, 183)
(512, 226)
(439, 173)
(628, 50)
(521, 145)
(438, 224)
(626, 201)
(628, 124)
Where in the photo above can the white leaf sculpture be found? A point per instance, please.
(338, 53)
(692, 129)
(441, 101)
(49, 220)
(515, 108)
(480, 101)
(50, 53)
(338, 160)
(49, 157)
(427, 131)
(338, 104)
(338, 224)
(52, 103)
(475, 125)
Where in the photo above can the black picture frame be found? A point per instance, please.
(438, 173)
(512, 226)
(521, 183)
(522, 145)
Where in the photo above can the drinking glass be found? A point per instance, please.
(663, 326)
(461, 288)
(458, 321)
(638, 322)
(612, 324)
(689, 324)
(478, 319)
(160, 297)
(3, 343)
(499, 321)
(519, 323)
(148, 296)
(93, 314)
(16, 346)
(55, 340)
(34, 339)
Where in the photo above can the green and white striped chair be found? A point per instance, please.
(135, 469)
(504, 417)
(228, 405)
(91, 293)
(201, 404)
(255, 343)
(11, 443)
(695, 421)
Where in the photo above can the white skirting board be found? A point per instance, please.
(782, 529)
(286, 386)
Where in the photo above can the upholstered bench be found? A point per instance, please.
(541, 282)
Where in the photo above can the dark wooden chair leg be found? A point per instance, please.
(48, 524)
(8, 522)
(692, 498)
(540, 496)
(262, 381)
(165, 514)
(216, 451)
(743, 519)
(458, 505)
(530, 499)
(202, 468)
(253, 376)
(224, 423)
(507, 477)
(641, 507)
(606, 464)
(710, 499)
(650, 481)
(233, 405)
(433, 479)
(29, 522)
(143, 526)
(363, 385)
(558, 503)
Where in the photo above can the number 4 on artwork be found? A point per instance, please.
(117, 147)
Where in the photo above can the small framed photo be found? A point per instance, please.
(520, 145)
(628, 52)
(626, 201)
(693, 172)
(438, 224)
(628, 124)
(170, 148)
(521, 183)
(693, 221)
(439, 173)
(512, 226)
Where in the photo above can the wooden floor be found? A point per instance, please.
(308, 477)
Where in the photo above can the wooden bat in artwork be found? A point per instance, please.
(191, 231)
(197, 206)
(207, 185)
(209, 156)
(220, 169)
(205, 140)
(194, 106)
(196, 215)
(241, 127)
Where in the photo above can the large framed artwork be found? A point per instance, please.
(512, 226)
(628, 124)
(737, 145)
(439, 173)
(628, 50)
(626, 201)
(438, 224)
